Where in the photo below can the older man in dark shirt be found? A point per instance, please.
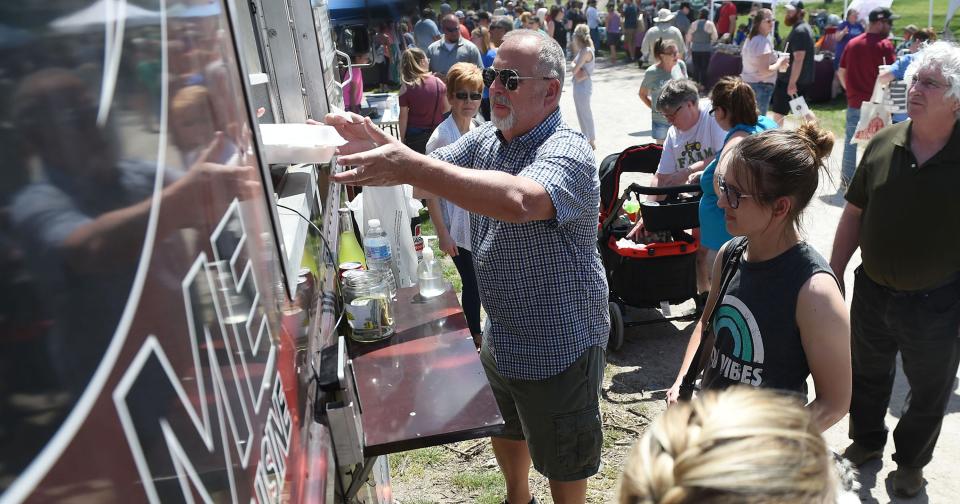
(906, 296)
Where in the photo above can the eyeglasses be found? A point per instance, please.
(732, 194)
(464, 95)
(509, 78)
(927, 83)
(670, 116)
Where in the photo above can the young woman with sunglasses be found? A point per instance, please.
(464, 83)
(668, 67)
(782, 316)
(735, 110)
(760, 61)
(583, 65)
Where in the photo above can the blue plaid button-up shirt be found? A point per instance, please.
(542, 282)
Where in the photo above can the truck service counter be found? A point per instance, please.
(424, 385)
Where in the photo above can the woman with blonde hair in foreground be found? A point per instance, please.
(740, 445)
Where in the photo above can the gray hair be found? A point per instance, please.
(677, 92)
(550, 57)
(503, 22)
(943, 56)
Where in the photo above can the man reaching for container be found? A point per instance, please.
(532, 188)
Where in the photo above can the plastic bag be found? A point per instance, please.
(874, 116)
(798, 105)
(390, 205)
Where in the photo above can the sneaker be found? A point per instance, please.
(907, 481)
(859, 455)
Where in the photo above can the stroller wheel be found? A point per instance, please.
(616, 327)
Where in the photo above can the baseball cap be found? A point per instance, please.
(882, 14)
(460, 14)
(911, 28)
(794, 5)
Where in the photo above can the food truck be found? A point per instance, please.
(171, 323)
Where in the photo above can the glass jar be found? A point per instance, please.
(366, 297)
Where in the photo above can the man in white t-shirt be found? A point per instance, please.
(663, 29)
(694, 136)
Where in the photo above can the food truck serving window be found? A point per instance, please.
(130, 172)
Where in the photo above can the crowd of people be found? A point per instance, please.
(517, 178)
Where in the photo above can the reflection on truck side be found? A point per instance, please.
(179, 447)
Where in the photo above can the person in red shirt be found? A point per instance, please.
(859, 67)
(727, 19)
(464, 31)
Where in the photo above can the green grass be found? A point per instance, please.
(489, 484)
(910, 12)
(832, 116)
(413, 464)
(611, 436)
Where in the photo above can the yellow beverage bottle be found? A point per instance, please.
(350, 249)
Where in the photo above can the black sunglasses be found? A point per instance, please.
(509, 78)
(463, 95)
(451, 29)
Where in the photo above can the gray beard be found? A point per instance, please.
(503, 123)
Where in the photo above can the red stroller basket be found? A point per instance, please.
(649, 274)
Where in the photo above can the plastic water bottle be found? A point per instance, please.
(430, 274)
(376, 246)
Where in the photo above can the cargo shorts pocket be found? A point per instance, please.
(579, 440)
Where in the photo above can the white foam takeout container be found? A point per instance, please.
(299, 143)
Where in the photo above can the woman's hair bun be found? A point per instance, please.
(820, 140)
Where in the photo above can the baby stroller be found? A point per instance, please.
(663, 269)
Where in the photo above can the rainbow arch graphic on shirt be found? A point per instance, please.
(734, 315)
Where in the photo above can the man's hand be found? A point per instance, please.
(447, 245)
(694, 177)
(676, 178)
(792, 89)
(377, 158)
(637, 231)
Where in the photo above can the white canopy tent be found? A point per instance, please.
(873, 4)
(105, 12)
(951, 10)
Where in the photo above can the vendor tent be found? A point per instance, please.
(864, 7)
(951, 10)
(105, 12)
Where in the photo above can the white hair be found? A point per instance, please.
(550, 58)
(942, 56)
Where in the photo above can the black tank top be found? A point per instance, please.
(560, 34)
(757, 337)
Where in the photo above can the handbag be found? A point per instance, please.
(874, 115)
(700, 358)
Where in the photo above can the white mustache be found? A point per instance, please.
(502, 100)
